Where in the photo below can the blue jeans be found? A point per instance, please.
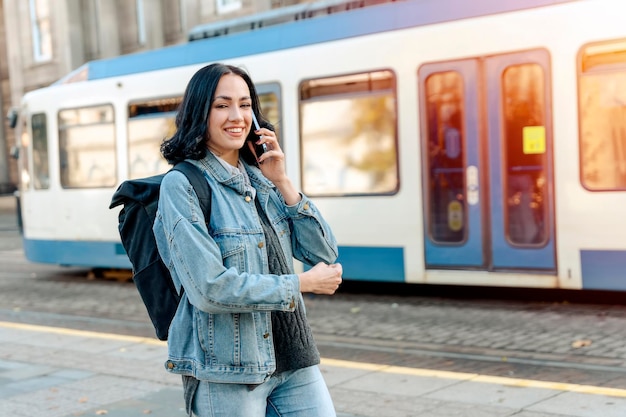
(300, 393)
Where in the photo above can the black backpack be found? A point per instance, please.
(140, 198)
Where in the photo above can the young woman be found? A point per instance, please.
(240, 337)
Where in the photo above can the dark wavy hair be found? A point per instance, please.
(189, 140)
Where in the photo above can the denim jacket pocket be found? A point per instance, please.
(239, 340)
(233, 251)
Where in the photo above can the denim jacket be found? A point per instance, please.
(222, 329)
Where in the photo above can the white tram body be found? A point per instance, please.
(448, 142)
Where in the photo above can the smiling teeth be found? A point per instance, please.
(235, 130)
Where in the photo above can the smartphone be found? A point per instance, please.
(262, 148)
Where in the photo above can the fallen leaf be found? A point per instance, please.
(581, 343)
(101, 412)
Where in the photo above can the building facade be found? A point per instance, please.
(41, 41)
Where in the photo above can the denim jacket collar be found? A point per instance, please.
(236, 180)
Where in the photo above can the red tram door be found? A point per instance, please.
(487, 157)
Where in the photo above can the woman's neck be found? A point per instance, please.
(231, 157)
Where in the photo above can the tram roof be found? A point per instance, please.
(286, 28)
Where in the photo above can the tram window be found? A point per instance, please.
(41, 170)
(149, 123)
(446, 157)
(602, 112)
(87, 147)
(348, 135)
(524, 155)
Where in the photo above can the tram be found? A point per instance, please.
(473, 143)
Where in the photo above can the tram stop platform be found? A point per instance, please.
(57, 372)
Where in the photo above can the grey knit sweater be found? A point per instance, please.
(293, 339)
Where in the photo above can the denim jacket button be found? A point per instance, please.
(170, 365)
(248, 199)
(260, 245)
(292, 304)
(266, 335)
(306, 206)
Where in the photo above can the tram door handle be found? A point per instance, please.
(472, 185)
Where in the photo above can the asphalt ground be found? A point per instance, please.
(397, 348)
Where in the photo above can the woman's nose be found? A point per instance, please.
(235, 113)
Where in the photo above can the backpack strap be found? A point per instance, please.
(199, 184)
(201, 187)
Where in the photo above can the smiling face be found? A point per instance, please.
(230, 118)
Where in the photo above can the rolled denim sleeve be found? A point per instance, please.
(312, 239)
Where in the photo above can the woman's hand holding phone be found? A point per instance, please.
(271, 160)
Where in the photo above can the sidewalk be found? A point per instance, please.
(55, 372)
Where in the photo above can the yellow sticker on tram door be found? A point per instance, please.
(534, 138)
(455, 216)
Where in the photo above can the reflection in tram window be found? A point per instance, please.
(446, 158)
(41, 170)
(149, 123)
(349, 135)
(602, 104)
(87, 147)
(271, 110)
(524, 145)
(25, 150)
